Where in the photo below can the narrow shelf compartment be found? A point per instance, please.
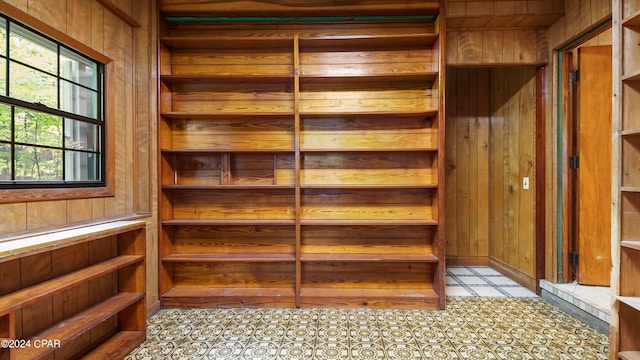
(369, 204)
(333, 257)
(629, 355)
(632, 19)
(27, 296)
(632, 301)
(213, 222)
(393, 41)
(199, 297)
(411, 132)
(238, 134)
(365, 222)
(117, 346)
(263, 257)
(225, 42)
(67, 330)
(631, 244)
(184, 115)
(368, 168)
(633, 76)
(230, 187)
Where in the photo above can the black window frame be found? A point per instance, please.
(99, 121)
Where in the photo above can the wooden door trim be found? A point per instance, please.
(541, 81)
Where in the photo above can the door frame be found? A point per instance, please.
(566, 132)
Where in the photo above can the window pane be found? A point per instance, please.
(78, 69)
(5, 162)
(38, 164)
(3, 76)
(3, 37)
(78, 100)
(33, 49)
(81, 166)
(32, 85)
(5, 122)
(81, 136)
(36, 128)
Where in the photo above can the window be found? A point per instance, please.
(52, 131)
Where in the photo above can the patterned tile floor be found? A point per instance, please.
(503, 326)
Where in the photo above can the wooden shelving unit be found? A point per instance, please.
(302, 165)
(92, 305)
(625, 332)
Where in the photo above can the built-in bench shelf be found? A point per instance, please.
(74, 292)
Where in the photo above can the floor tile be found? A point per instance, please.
(488, 316)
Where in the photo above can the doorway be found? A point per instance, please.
(587, 187)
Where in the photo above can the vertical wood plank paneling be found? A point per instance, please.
(451, 233)
(462, 162)
(45, 214)
(78, 211)
(473, 162)
(491, 47)
(129, 128)
(13, 218)
(114, 48)
(97, 26)
(469, 47)
(20, 4)
(79, 26)
(483, 183)
(496, 169)
(44, 9)
(512, 166)
(527, 141)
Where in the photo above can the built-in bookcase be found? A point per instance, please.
(302, 164)
(625, 332)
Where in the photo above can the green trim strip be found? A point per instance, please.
(299, 19)
(559, 159)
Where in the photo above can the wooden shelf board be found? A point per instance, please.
(71, 328)
(226, 222)
(369, 186)
(312, 79)
(629, 355)
(227, 187)
(632, 20)
(230, 115)
(369, 222)
(368, 293)
(631, 244)
(369, 257)
(218, 292)
(227, 79)
(32, 294)
(630, 189)
(46, 241)
(378, 149)
(226, 42)
(118, 346)
(634, 76)
(244, 257)
(220, 151)
(368, 113)
(633, 301)
(394, 114)
(356, 42)
(630, 132)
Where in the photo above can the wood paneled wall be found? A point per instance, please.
(497, 47)
(503, 13)
(490, 148)
(108, 30)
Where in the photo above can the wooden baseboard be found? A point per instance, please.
(476, 261)
(519, 277)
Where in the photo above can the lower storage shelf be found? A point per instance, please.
(118, 346)
(369, 297)
(204, 297)
(66, 331)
